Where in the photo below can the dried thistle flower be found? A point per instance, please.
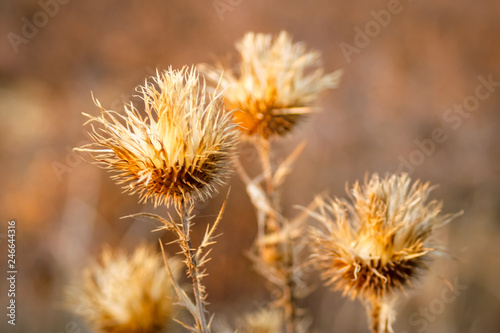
(125, 294)
(266, 320)
(274, 85)
(377, 245)
(269, 320)
(179, 151)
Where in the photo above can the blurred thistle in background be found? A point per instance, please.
(123, 293)
(273, 85)
(262, 321)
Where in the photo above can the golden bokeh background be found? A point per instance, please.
(398, 88)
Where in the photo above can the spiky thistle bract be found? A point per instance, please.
(380, 242)
(179, 150)
(274, 84)
(375, 246)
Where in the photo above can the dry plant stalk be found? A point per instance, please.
(175, 155)
(279, 243)
(272, 89)
(125, 293)
(196, 258)
(377, 245)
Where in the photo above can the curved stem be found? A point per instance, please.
(261, 216)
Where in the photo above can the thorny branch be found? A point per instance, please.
(196, 258)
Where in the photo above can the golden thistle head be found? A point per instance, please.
(377, 244)
(265, 320)
(275, 83)
(125, 294)
(178, 151)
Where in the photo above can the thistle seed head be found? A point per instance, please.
(179, 151)
(377, 244)
(265, 320)
(125, 294)
(274, 85)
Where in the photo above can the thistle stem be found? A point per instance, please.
(263, 147)
(290, 305)
(271, 224)
(193, 269)
(261, 216)
(381, 315)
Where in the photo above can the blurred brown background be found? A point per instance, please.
(396, 90)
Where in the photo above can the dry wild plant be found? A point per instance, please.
(265, 319)
(376, 246)
(123, 293)
(268, 320)
(272, 89)
(175, 154)
(261, 321)
(274, 84)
